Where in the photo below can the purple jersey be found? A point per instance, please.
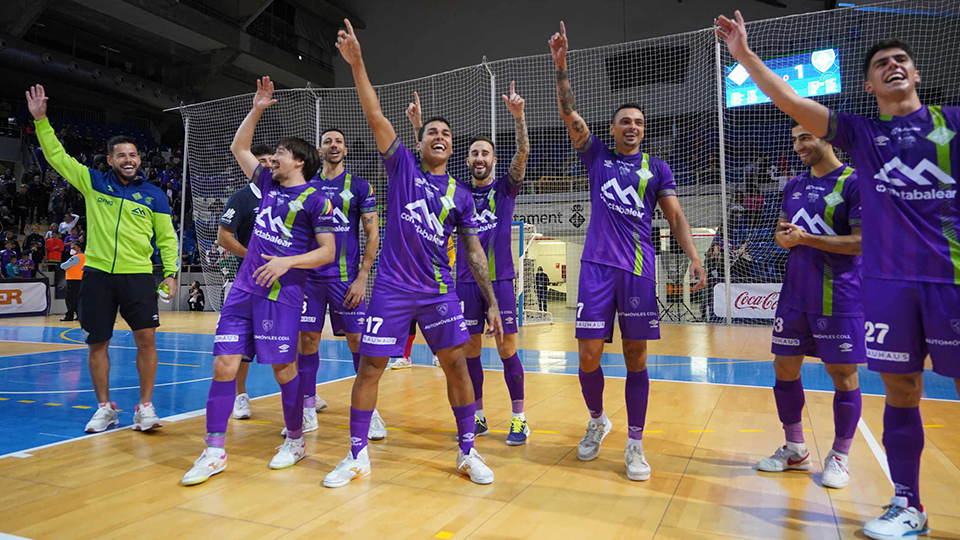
(817, 281)
(350, 196)
(494, 203)
(623, 194)
(423, 211)
(912, 215)
(287, 223)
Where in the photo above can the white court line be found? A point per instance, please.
(33, 365)
(5, 536)
(875, 448)
(23, 454)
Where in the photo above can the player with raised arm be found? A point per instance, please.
(425, 205)
(261, 316)
(342, 284)
(905, 160)
(820, 312)
(617, 270)
(233, 235)
(494, 199)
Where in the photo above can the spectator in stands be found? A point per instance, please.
(26, 265)
(8, 182)
(34, 191)
(22, 203)
(35, 243)
(12, 238)
(70, 239)
(541, 281)
(753, 205)
(49, 234)
(74, 269)
(70, 221)
(7, 220)
(710, 172)
(8, 256)
(741, 264)
(55, 248)
(196, 297)
(29, 174)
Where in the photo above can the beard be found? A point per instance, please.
(486, 174)
(119, 172)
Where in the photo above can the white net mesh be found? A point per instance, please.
(674, 79)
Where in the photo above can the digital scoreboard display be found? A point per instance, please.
(810, 74)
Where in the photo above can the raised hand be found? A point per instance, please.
(734, 33)
(414, 112)
(559, 45)
(264, 96)
(513, 102)
(348, 44)
(37, 102)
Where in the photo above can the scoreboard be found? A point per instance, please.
(810, 74)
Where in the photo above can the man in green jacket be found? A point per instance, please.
(124, 213)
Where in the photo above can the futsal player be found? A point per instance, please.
(341, 284)
(425, 204)
(820, 312)
(617, 266)
(494, 199)
(125, 213)
(261, 316)
(911, 255)
(233, 235)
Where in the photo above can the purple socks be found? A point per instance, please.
(591, 385)
(465, 426)
(476, 376)
(356, 362)
(513, 375)
(846, 414)
(790, 401)
(359, 427)
(903, 441)
(291, 396)
(637, 391)
(219, 406)
(307, 366)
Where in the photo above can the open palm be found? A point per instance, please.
(734, 32)
(264, 96)
(37, 102)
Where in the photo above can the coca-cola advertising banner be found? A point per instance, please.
(750, 300)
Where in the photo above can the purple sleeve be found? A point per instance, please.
(852, 187)
(843, 128)
(467, 224)
(666, 185)
(591, 151)
(363, 191)
(512, 188)
(263, 178)
(397, 160)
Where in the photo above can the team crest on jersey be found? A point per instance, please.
(148, 200)
(822, 324)
(137, 196)
(267, 324)
(833, 199)
(295, 205)
(955, 324)
(634, 302)
(442, 309)
(941, 136)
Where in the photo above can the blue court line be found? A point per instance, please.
(58, 382)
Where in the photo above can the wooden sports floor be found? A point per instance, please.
(703, 440)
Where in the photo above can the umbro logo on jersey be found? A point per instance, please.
(608, 163)
(881, 140)
(846, 347)
(796, 195)
(284, 348)
(228, 215)
(814, 224)
(917, 174)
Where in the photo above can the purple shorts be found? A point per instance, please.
(905, 320)
(606, 291)
(474, 305)
(253, 325)
(835, 340)
(331, 293)
(391, 310)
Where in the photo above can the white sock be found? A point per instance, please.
(520, 416)
(635, 442)
(799, 448)
(601, 420)
(480, 414)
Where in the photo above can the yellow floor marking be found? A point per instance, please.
(54, 404)
(266, 422)
(444, 535)
(3, 399)
(180, 365)
(81, 406)
(647, 432)
(751, 431)
(932, 425)
(26, 401)
(701, 431)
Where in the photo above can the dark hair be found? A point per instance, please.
(328, 130)
(882, 46)
(484, 139)
(261, 149)
(305, 152)
(793, 123)
(425, 124)
(119, 139)
(625, 106)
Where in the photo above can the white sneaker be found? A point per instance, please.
(310, 422)
(785, 459)
(378, 428)
(474, 466)
(836, 471)
(638, 469)
(589, 446)
(212, 461)
(321, 404)
(145, 418)
(290, 452)
(349, 469)
(241, 407)
(400, 363)
(897, 521)
(436, 361)
(105, 418)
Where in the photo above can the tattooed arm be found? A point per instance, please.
(579, 132)
(518, 166)
(358, 289)
(477, 260)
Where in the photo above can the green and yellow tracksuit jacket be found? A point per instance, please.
(122, 219)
